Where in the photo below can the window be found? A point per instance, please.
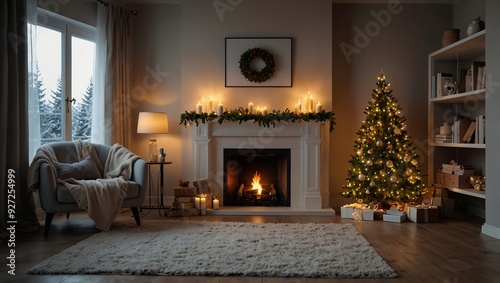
(64, 79)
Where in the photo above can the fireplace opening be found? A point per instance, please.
(256, 177)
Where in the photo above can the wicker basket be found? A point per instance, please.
(450, 36)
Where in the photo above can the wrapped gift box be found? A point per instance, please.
(394, 217)
(366, 213)
(347, 210)
(379, 214)
(184, 191)
(423, 214)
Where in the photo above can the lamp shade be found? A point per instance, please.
(152, 123)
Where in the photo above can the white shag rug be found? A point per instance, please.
(200, 248)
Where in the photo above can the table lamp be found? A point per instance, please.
(152, 123)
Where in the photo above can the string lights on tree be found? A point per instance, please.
(384, 166)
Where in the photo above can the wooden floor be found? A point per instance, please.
(451, 251)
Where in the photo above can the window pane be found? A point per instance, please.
(48, 81)
(82, 86)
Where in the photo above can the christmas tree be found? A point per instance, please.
(384, 166)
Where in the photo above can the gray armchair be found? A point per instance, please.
(58, 199)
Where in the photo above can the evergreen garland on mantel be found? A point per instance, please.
(264, 120)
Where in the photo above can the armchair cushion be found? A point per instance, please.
(83, 170)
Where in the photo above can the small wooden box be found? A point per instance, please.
(455, 181)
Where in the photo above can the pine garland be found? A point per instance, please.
(243, 115)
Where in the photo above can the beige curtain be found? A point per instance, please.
(14, 148)
(113, 92)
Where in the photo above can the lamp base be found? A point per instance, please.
(153, 152)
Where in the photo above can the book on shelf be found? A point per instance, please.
(443, 138)
(480, 129)
(462, 82)
(441, 80)
(470, 132)
(477, 68)
(459, 128)
(483, 79)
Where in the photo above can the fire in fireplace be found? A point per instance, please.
(256, 177)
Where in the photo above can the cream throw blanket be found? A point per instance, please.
(102, 198)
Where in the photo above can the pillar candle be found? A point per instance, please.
(250, 107)
(318, 107)
(264, 111)
(199, 108)
(216, 204)
(203, 205)
(305, 107)
(197, 203)
(298, 107)
(220, 109)
(203, 105)
(210, 105)
(311, 104)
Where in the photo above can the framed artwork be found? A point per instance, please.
(258, 62)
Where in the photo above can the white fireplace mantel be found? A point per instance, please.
(308, 144)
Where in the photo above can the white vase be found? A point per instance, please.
(473, 27)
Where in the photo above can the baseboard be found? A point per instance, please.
(490, 230)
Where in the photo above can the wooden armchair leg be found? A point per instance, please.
(48, 221)
(137, 218)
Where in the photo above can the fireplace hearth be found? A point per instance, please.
(256, 177)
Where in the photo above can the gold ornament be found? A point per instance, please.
(367, 191)
(407, 158)
(372, 184)
(414, 162)
(359, 152)
(397, 131)
(379, 143)
(361, 177)
(393, 179)
(389, 163)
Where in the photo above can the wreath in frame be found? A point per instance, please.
(253, 75)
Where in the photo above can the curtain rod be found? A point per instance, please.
(134, 12)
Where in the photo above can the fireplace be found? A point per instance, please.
(307, 176)
(256, 177)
